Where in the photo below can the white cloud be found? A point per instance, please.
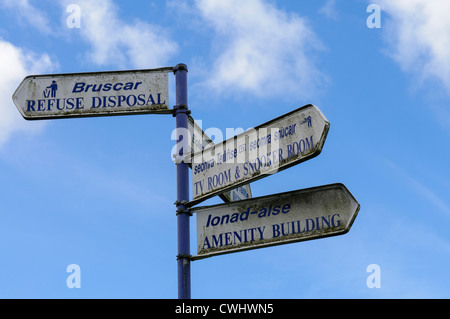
(422, 190)
(329, 10)
(29, 13)
(15, 65)
(261, 49)
(114, 42)
(419, 35)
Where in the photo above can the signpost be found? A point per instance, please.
(223, 169)
(269, 148)
(93, 94)
(274, 220)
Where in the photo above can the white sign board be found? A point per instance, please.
(269, 148)
(274, 220)
(93, 94)
(199, 141)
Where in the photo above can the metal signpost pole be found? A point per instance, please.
(183, 213)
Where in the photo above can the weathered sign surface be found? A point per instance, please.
(269, 148)
(93, 94)
(276, 219)
(239, 193)
(199, 140)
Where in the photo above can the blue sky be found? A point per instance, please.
(99, 192)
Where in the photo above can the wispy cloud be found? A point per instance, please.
(115, 42)
(418, 32)
(261, 50)
(29, 13)
(422, 190)
(329, 10)
(15, 64)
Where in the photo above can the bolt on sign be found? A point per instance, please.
(93, 94)
(256, 153)
(274, 220)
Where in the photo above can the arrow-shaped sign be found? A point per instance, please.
(274, 220)
(93, 94)
(267, 149)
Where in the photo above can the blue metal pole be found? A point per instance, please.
(183, 214)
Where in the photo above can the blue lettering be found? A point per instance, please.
(309, 224)
(94, 104)
(150, 98)
(298, 227)
(141, 98)
(275, 231)
(245, 169)
(289, 149)
(133, 98)
(117, 86)
(159, 99)
(234, 237)
(82, 87)
(244, 215)
(225, 219)
(30, 105)
(128, 86)
(50, 104)
(335, 223)
(79, 102)
(215, 221)
(234, 218)
(217, 241)
(122, 99)
(111, 102)
(282, 229)
(261, 232)
(238, 236)
(70, 102)
(310, 146)
(276, 210)
(228, 239)
(63, 105)
(107, 87)
(203, 166)
(40, 104)
(325, 221)
(79, 87)
(219, 179)
(302, 146)
(206, 243)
